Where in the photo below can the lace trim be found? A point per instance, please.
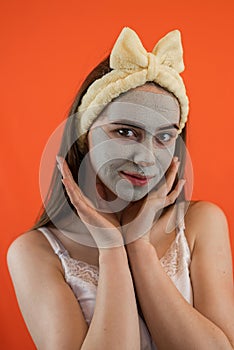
(171, 263)
(76, 268)
(172, 259)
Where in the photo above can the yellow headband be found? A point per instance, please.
(133, 66)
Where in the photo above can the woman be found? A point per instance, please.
(117, 280)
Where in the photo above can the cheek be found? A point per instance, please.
(106, 158)
(103, 150)
(164, 157)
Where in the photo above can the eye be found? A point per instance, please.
(165, 137)
(125, 132)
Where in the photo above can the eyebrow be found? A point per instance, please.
(169, 126)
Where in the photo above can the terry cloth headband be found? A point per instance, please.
(133, 66)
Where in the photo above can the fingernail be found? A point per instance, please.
(64, 184)
(175, 159)
(59, 163)
(58, 166)
(58, 158)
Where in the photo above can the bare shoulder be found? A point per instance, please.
(211, 270)
(43, 294)
(205, 210)
(205, 221)
(32, 245)
(207, 229)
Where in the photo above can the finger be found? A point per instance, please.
(73, 190)
(82, 204)
(74, 194)
(170, 199)
(63, 167)
(84, 207)
(103, 231)
(170, 178)
(71, 186)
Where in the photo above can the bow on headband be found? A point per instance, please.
(133, 66)
(128, 54)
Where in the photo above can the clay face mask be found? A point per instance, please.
(132, 142)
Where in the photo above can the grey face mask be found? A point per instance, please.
(112, 157)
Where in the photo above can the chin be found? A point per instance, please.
(127, 192)
(131, 197)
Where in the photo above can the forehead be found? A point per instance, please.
(145, 109)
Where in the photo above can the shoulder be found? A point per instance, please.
(31, 241)
(211, 269)
(204, 221)
(207, 231)
(43, 294)
(205, 210)
(31, 247)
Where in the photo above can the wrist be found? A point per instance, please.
(139, 248)
(113, 255)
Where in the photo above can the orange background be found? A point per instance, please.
(48, 47)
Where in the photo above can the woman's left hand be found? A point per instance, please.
(139, 227)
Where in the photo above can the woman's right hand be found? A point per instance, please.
(102, 226)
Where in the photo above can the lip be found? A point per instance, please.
(134, 178)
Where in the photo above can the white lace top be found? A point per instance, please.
(83, 277)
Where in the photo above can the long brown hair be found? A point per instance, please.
(55, 200)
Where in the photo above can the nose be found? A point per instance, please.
(144, 153)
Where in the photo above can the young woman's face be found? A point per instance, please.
(132, 142)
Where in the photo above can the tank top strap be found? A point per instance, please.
(180, 217)
(55, 243)
(181, 237)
